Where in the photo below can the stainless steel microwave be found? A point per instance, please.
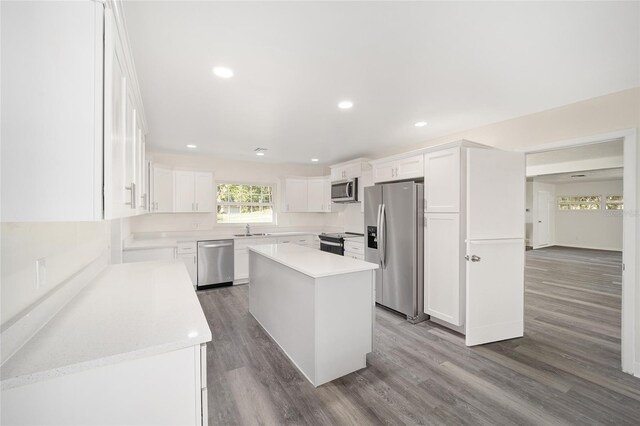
(345, 191)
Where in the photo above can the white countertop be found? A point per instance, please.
(311, 262)
(171, 242)
(132, 310)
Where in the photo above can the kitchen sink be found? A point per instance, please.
(260, 234)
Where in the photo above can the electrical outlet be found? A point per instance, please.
(41, 272)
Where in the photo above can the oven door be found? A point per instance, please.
(343, 191)
(331, 247)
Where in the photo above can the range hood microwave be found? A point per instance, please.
(344, 191)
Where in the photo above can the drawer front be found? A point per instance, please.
(187, 248)
(358, 256)
(354, 247)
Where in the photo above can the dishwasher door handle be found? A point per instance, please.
(216, 245)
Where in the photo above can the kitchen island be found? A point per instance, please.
(318, 307)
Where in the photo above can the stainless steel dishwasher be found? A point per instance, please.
(215, 263)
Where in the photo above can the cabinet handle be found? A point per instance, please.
(132, 189)
(144, 201)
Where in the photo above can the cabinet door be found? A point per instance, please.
(410, 168)
(326, 196)
(128, 191)
(190, 261)
(442, 181)
(142, 186)
(384, 172)
(241, 264)
(352, 170)
(204, 192)
(442, 267)
(185, 188)
(114, 122)
(295, 195)
(316, 195)
(337, 173)
(162, 190)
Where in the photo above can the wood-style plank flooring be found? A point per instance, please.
(565, 370)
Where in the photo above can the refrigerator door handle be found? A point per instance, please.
(378, 233)
(382, 237)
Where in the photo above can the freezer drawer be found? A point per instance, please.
(215, 262)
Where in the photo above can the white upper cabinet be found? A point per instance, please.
(315, 195)
(442, 181)
(398, 169)
(204, 191)
(68, 137)
(307, 195)
(349, 170)
(185, 191)
(295, 195)
(161, 190)
(319, 194)
(193, 191)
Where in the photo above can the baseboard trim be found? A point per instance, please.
(18, 331)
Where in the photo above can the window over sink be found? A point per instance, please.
(244, 203)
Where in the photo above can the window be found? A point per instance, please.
(580, 202)
(239, 203)
(614, 202)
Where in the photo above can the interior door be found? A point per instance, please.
(495, 245)
(542, 227)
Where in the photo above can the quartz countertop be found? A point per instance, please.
(131, 311)
(311, 262)
(171, 242)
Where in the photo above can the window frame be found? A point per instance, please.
(273, 203)
(619, 202)
(561, 203)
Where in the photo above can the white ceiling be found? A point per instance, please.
(589, 176)
(456, 65)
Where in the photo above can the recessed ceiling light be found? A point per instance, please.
(192, 146)
(345, 104)
(260, 154)
(315, 160)
(259, 151)
(420, 124)
(223, 72)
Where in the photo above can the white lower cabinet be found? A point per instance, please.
(354, 249)
(187, 252)
(148, 255)
(240, 266)
(163, 389)
(442, 295)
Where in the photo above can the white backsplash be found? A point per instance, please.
(65, 247)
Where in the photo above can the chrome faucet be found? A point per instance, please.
(248, 229)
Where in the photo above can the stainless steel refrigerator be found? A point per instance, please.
(393, 222)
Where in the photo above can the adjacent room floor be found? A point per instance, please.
(566, 370)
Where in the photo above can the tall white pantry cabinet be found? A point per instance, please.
(73, 128)
(474, 241)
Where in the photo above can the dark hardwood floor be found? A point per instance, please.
(565, 370)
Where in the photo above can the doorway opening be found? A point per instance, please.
(580, 260)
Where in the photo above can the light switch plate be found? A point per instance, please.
(41, 272)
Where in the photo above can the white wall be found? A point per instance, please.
(595, 229)
(66, 248)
